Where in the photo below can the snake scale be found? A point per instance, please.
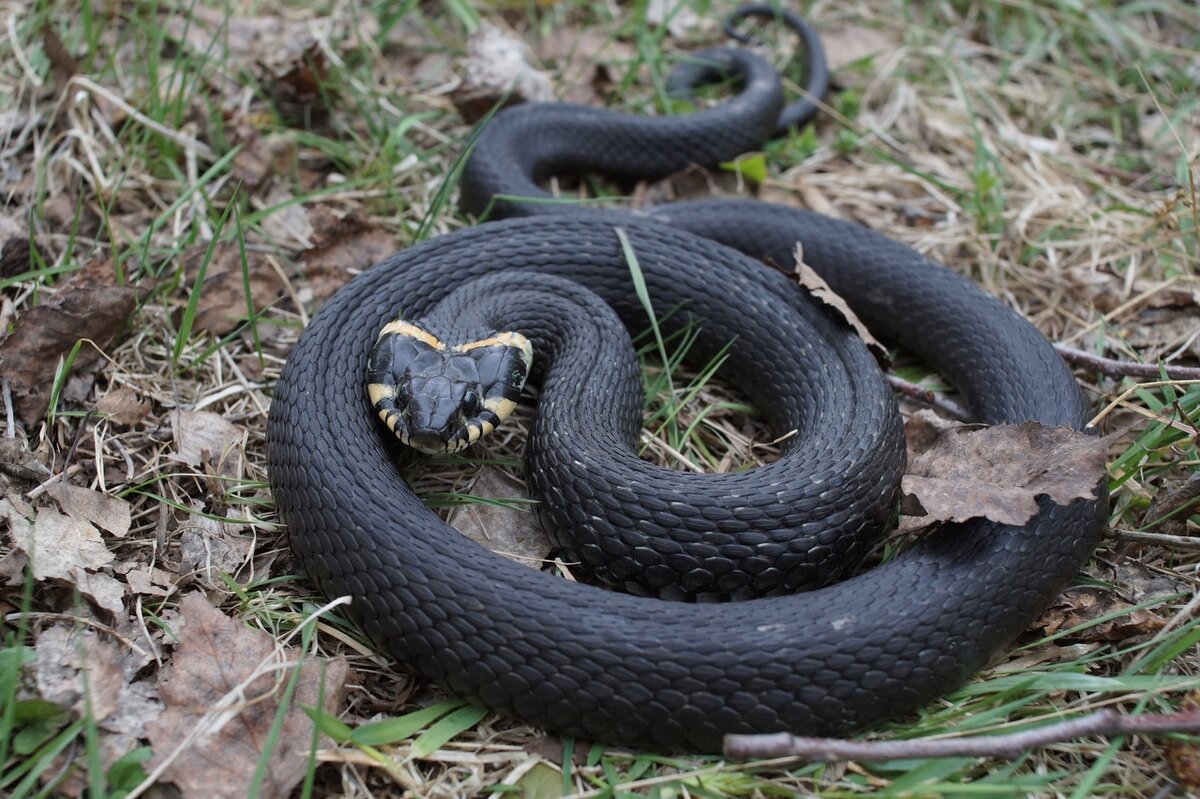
(621, 667)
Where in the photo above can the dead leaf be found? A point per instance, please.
(16, 257)
(149, 582)
(819, 289)
(302, 93)
(508, 524)
(498, 69)
(261, 157)
(105, 591)
(19, 463)
(958, 472)
(215, 657)
(1085, 604)
(849, 43)
(44, 335)
(63, 653)
(123, 406)
(204, 436)
(581, 57)
(288, 223)
(210, 547)
(342, 246)
(216, 34)
(65, 549)
(222, 303)
(107, 513)
(62, 63)
(57, 544)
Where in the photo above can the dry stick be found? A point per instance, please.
(1114, 368)
(947, 406)
(1106, 722)
(1184, 542)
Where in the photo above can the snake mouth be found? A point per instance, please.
(441, 399)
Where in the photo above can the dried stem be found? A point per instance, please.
(1115, 368)
(947, 406)
(1105, 722)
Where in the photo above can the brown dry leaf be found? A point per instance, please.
(1082, 605)
(123, 406)
(65, 549)
(15, 257)
(513, 532)
(302, 93)
(57, 545)
(210, 547)
(342, 246)
(819, 289)
(214, 33)
(580, 57)
(19, 463)
(44, 335)
(222, 303)
(63, 653)
(149, 581)
(958, 472)
(288, 224)
(216, 656)
(497, 68)
(62, 63)
(204, 436)
(107, 513)
(849, 43)
(261, 156)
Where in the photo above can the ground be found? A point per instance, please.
(181, 185)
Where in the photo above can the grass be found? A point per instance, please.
(1047, 149)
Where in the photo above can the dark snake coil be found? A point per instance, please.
(641, 671)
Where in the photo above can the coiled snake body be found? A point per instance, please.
(638, 670)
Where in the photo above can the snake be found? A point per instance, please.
(805, 642)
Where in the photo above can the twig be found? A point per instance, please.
(1106, 722)
(1114, 368)
(947, 406)
(1185, 542)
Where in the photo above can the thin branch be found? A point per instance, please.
(1106, 723)
(947, 406)
(1115, 368)
(1184, 542)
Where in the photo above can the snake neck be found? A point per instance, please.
(566, 324)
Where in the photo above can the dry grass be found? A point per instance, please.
(1048, 152)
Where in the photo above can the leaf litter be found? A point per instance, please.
(222, 692)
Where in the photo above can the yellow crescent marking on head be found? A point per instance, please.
(379, 392)
(399, 327)
(508, 339)
(501, 406)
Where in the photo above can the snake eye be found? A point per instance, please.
(470, 403)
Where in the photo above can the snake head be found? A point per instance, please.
(441, 399)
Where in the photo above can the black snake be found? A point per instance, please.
(636, 670)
